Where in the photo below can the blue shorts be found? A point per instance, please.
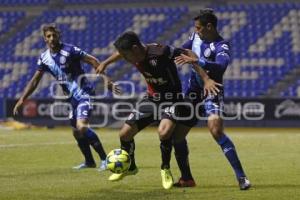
(203, 106)
(81, 109)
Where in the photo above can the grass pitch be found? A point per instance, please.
(36, 164)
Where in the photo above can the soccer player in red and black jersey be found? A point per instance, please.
(156, 63)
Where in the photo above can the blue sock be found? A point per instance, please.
(95, 143)
(83, 145)
(231, 155)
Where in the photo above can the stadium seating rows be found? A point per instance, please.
(23, 2)
(9, 19)
(265, 41)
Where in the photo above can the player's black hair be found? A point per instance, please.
(206, 16)
(50, 27)
(127, 40)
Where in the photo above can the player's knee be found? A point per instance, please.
(164, 133)
(215, 127)
(127, 133)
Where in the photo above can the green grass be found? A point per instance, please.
(36, 164)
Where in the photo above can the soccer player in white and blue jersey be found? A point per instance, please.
(63, 62)
(213, 56)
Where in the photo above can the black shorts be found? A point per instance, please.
(148, 111)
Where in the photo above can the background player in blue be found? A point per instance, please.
(214, 57)
(62, 61)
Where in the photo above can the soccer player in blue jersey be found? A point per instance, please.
(63, 62)
(214, 56)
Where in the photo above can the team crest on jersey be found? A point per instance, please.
(207, 52)
(62, 60)
(153, 62)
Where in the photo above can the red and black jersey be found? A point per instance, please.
(160, 71)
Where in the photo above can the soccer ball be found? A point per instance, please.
(118, 161)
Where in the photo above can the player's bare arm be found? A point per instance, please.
(89, 59)
(210, 86)
(30, 88)
(103, 65)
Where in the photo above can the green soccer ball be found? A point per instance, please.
(118, 161)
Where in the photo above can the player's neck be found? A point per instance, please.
(144, 52)
(213, 37)
(55, 49)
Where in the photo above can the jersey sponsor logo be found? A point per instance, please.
(207, 52)
(158, 81)
(225, 46)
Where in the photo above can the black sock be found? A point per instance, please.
(84, 146)
(129, 147)
(166, 149)
(181, 154)
(95, 143)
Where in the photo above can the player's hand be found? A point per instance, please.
(183, 59)
(101, 68)
(211, 87)
(17, 107)
(114, 88)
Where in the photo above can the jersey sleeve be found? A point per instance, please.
(189, 43)
(77, 53)
(222, 59)
(41, 66)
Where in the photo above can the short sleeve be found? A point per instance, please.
(189, 43)
(77, 52)
(41, 66)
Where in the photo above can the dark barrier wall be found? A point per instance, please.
(2, 114)
(239, 112)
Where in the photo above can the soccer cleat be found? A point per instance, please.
(185, 183)
(244, 183)
(118, 177)
(103, 166)
(84, 166)
(166, 178)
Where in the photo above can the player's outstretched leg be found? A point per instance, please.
(215, 125)
(84, 147)
(127, 143)
(96, 144)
